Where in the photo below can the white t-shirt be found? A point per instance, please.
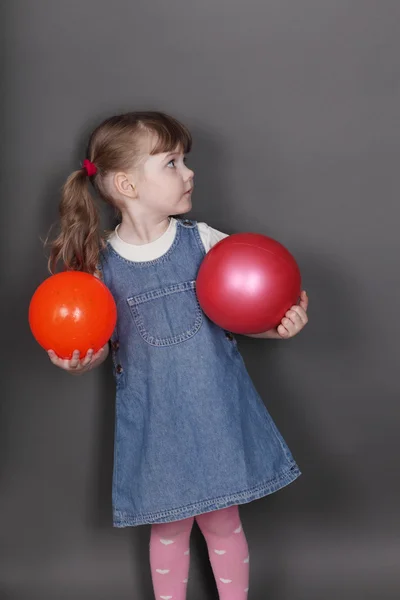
(161, 245)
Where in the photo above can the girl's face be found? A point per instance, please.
(165, 184)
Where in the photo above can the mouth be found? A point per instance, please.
(189, 191)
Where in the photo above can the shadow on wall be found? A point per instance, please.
(325, 493)
(334, 332)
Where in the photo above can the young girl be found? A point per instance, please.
(193, 439)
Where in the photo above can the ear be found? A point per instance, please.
(125, 185)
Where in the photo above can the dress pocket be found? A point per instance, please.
(169, 315)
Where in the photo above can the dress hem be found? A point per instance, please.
(122, 519)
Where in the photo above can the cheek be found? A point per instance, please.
(155, 187)
(172, 182)
(166, 186)
(165, 179)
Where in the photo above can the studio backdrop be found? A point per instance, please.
(294, 110)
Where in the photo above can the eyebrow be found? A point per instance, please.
(174, 154)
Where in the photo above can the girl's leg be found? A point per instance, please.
(228, 551)
(169, 558)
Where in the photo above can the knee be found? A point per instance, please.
(173, 529)
(221, 523)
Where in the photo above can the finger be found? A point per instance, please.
(283, 332)
(88, 358)
(98, 354)
(53, 357)
(289, 326)
(297, 312)
(303, 300)
(74, 362)
(292, 315)
(295, 319)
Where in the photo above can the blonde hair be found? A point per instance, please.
(114, 145)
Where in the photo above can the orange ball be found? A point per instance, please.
(72, 311)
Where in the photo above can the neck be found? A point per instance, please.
(142, 230)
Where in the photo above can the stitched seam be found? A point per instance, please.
(156, 294)
(160, 293)
(288, 474)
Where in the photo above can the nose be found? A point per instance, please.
(188, 174)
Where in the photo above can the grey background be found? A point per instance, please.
(294, 108)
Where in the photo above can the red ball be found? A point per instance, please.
(247, 282)
(72, 311)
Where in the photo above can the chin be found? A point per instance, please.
(189, 204)
(183, 207)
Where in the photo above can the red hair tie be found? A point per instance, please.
(90, 167)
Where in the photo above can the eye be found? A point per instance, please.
(171, 163)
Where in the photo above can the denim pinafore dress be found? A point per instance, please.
(192, 435)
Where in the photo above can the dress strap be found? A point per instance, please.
(188, 223)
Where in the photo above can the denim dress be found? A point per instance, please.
(192, 435)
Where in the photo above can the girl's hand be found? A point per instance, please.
(76, 365)
(295, 319)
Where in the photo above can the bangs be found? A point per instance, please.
(170, 135)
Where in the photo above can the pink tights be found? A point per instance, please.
(227, 549)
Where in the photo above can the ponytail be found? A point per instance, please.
(79, 242)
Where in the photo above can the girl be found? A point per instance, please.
(193, 439)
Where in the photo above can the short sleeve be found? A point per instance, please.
(210, 236)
